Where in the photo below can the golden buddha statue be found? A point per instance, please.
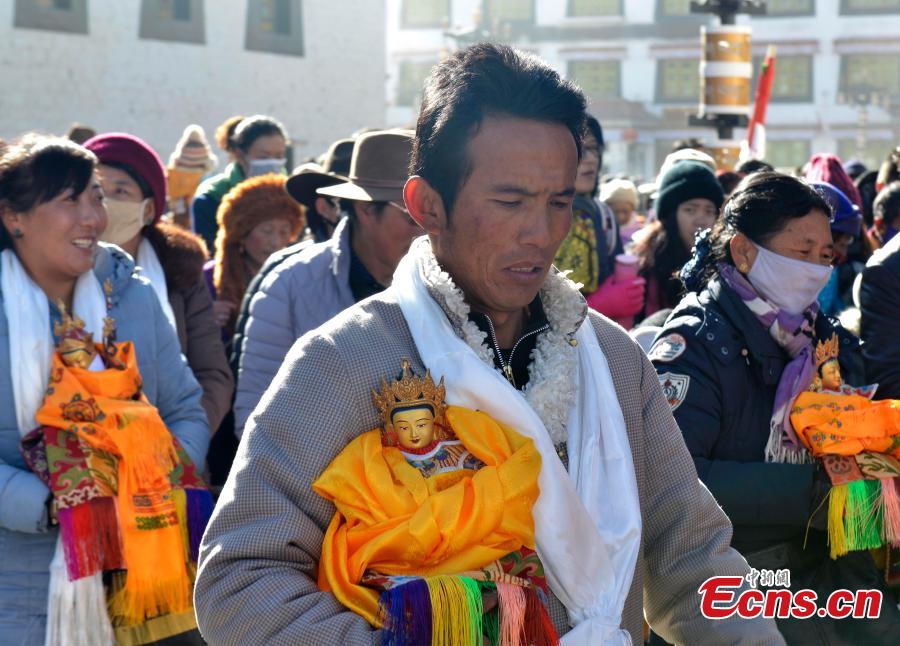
(413, 418)
(76, 345)
(834, 418)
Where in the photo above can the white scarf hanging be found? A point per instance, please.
(152, 269)
(76, 610)
(587, 521)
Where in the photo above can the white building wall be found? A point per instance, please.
(111, 80)
(821, 121)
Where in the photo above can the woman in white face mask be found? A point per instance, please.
(257, 145)
(731, 359)
(171, 258)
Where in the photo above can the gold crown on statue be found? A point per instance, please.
(826, 351)
(409, 391)
(70, 327)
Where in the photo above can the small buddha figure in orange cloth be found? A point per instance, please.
(837, 419)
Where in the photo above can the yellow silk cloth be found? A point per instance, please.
(108, 412)
(846, 424)
(393, 520)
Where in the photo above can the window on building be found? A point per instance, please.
(793, 81)
(53, 15)
(425, 14)
(275, 26)
(173, 20)
(865, 74)
(411, 80)
(678, 80)
(598, 79)
(787, 153)
(673, 8)
(790, 8)
(585, 8)
(874, 151)
(512, 11)
(870, 6)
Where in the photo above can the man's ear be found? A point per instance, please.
(425, 205)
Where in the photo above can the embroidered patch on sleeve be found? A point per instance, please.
(675, 388)
(668, 348)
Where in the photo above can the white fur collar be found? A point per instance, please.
(551, 387)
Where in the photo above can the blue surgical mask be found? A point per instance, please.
(266, 166)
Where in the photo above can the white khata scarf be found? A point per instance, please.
(587, 521)
(76, 610)
(152, 270)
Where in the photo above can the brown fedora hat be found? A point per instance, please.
(379, 168)
(308, 178)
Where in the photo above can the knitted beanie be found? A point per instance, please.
(122, 148)
(192, 153)
(687, 180)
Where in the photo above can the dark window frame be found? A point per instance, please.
(791, 14)
(192, 31)
(658, 97)
(489, 19)
(405, 24)
(620, 13)
(617, 61)
(280, 44)
(808, 98)
(842, 74)
(846, 10)
(74, 20)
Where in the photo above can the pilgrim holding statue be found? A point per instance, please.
(130, 505)
(433, 538)
(858, 443)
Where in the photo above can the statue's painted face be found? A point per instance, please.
(77, 353)
(414, 427)
(831, 376)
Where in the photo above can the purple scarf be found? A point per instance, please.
(794, 333)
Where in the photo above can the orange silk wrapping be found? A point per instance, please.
(99, 406)
(846, 424)
(391, 520)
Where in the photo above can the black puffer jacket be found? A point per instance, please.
(879, 303)
(720, 368)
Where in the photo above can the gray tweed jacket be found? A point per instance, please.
(257, 571)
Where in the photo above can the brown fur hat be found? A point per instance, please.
(248, 204)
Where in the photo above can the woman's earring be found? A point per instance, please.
(17, 234)
(744, 268)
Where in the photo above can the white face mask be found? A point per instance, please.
(126, 219)
(792, 285)
(266, 166)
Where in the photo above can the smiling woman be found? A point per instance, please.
(52, 214)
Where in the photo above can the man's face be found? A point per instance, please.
(511, 213)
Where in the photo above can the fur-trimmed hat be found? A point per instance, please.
(246, 205)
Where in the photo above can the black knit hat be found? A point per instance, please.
(685, 181)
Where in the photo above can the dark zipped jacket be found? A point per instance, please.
(722, 388)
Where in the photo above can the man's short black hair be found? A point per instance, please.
(485, 79)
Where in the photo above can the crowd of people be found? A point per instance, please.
(265, 305)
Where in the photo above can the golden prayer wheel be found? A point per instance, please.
(726, 70)
(726, 154)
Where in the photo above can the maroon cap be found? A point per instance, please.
(122, 148)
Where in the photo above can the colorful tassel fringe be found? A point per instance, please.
(91, 540)
(863, 514)
(448, 610)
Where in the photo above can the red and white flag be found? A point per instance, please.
(754, 147)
